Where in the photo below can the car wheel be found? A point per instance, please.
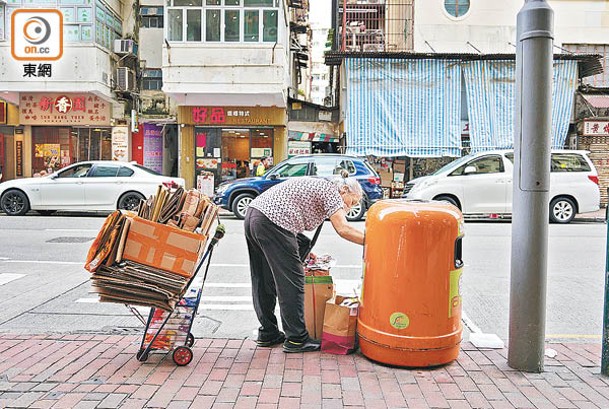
(46, 212)
(562, 210)
(356, 212)
(448, 199)
(15, 203)
(241, 203)
(130, 201)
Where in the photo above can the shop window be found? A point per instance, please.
(93, 144)
(456, 8)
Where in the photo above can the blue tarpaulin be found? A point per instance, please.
(398, 107)
(491, 90)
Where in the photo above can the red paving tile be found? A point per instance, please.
(85, 371)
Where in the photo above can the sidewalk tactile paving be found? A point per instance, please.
(94, 371)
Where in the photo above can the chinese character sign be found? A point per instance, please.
(153, 147)
(63, 109)
(596, 128)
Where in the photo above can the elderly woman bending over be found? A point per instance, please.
(274, 224)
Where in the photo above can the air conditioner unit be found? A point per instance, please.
(122, 46)
(125, 79)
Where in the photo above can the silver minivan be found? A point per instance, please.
(481, 184)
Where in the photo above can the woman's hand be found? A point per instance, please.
(344, 229)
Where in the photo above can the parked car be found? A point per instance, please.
(236, 195)
(481, 183)
(83, 186)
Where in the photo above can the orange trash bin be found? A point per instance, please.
(410, 311)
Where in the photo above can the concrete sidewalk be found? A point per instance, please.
(95, 371)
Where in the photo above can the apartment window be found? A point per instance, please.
(176, 25)
(599, 80)
(153, 79)
(228, 21)
(456, 8)
(152, 17)
(193, 25)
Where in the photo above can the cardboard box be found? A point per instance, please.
(399, 166)
(318, 290)
(163, 246)
(386, 178)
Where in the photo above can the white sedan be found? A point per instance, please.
(83, 186)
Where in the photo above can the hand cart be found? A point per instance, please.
(166, 329)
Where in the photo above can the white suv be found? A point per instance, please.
(481, 184)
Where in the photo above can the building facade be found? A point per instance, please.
(425, 81)
(71, 107)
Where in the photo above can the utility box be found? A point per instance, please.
(410, 311)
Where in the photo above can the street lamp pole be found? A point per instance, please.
(530, 213)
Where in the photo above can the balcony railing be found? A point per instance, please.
(375, 25)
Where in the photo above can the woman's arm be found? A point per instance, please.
(344, 229)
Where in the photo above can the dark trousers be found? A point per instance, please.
(277, 273)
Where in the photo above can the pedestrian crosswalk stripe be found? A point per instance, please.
(6, 278)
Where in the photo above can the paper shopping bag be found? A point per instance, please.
(340, 320)
(318, 290)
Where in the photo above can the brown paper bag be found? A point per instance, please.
(318, 290)
(340, 321)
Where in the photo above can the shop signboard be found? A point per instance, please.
(596, 128)
(19, 158)
(298, 148)
(205, 183)
(219, 115)
(2, 113)
(120, 143)
(43, 108)
(153, 147)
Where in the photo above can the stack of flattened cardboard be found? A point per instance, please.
(136, 259)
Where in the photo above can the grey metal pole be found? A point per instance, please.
(530, 213)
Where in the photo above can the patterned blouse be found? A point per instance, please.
(299, 204)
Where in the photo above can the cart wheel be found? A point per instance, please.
(182, 355)
(190, 340)
(142, 355)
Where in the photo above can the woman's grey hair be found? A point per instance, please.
(352, 184)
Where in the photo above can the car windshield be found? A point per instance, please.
(452, 165)
(152, 172)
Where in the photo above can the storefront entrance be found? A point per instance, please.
(55, 147)
(231, 153)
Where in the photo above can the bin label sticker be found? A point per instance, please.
(454, 294)
(399, 320)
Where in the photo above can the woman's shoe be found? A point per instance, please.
(309, 345)
(270, 341)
